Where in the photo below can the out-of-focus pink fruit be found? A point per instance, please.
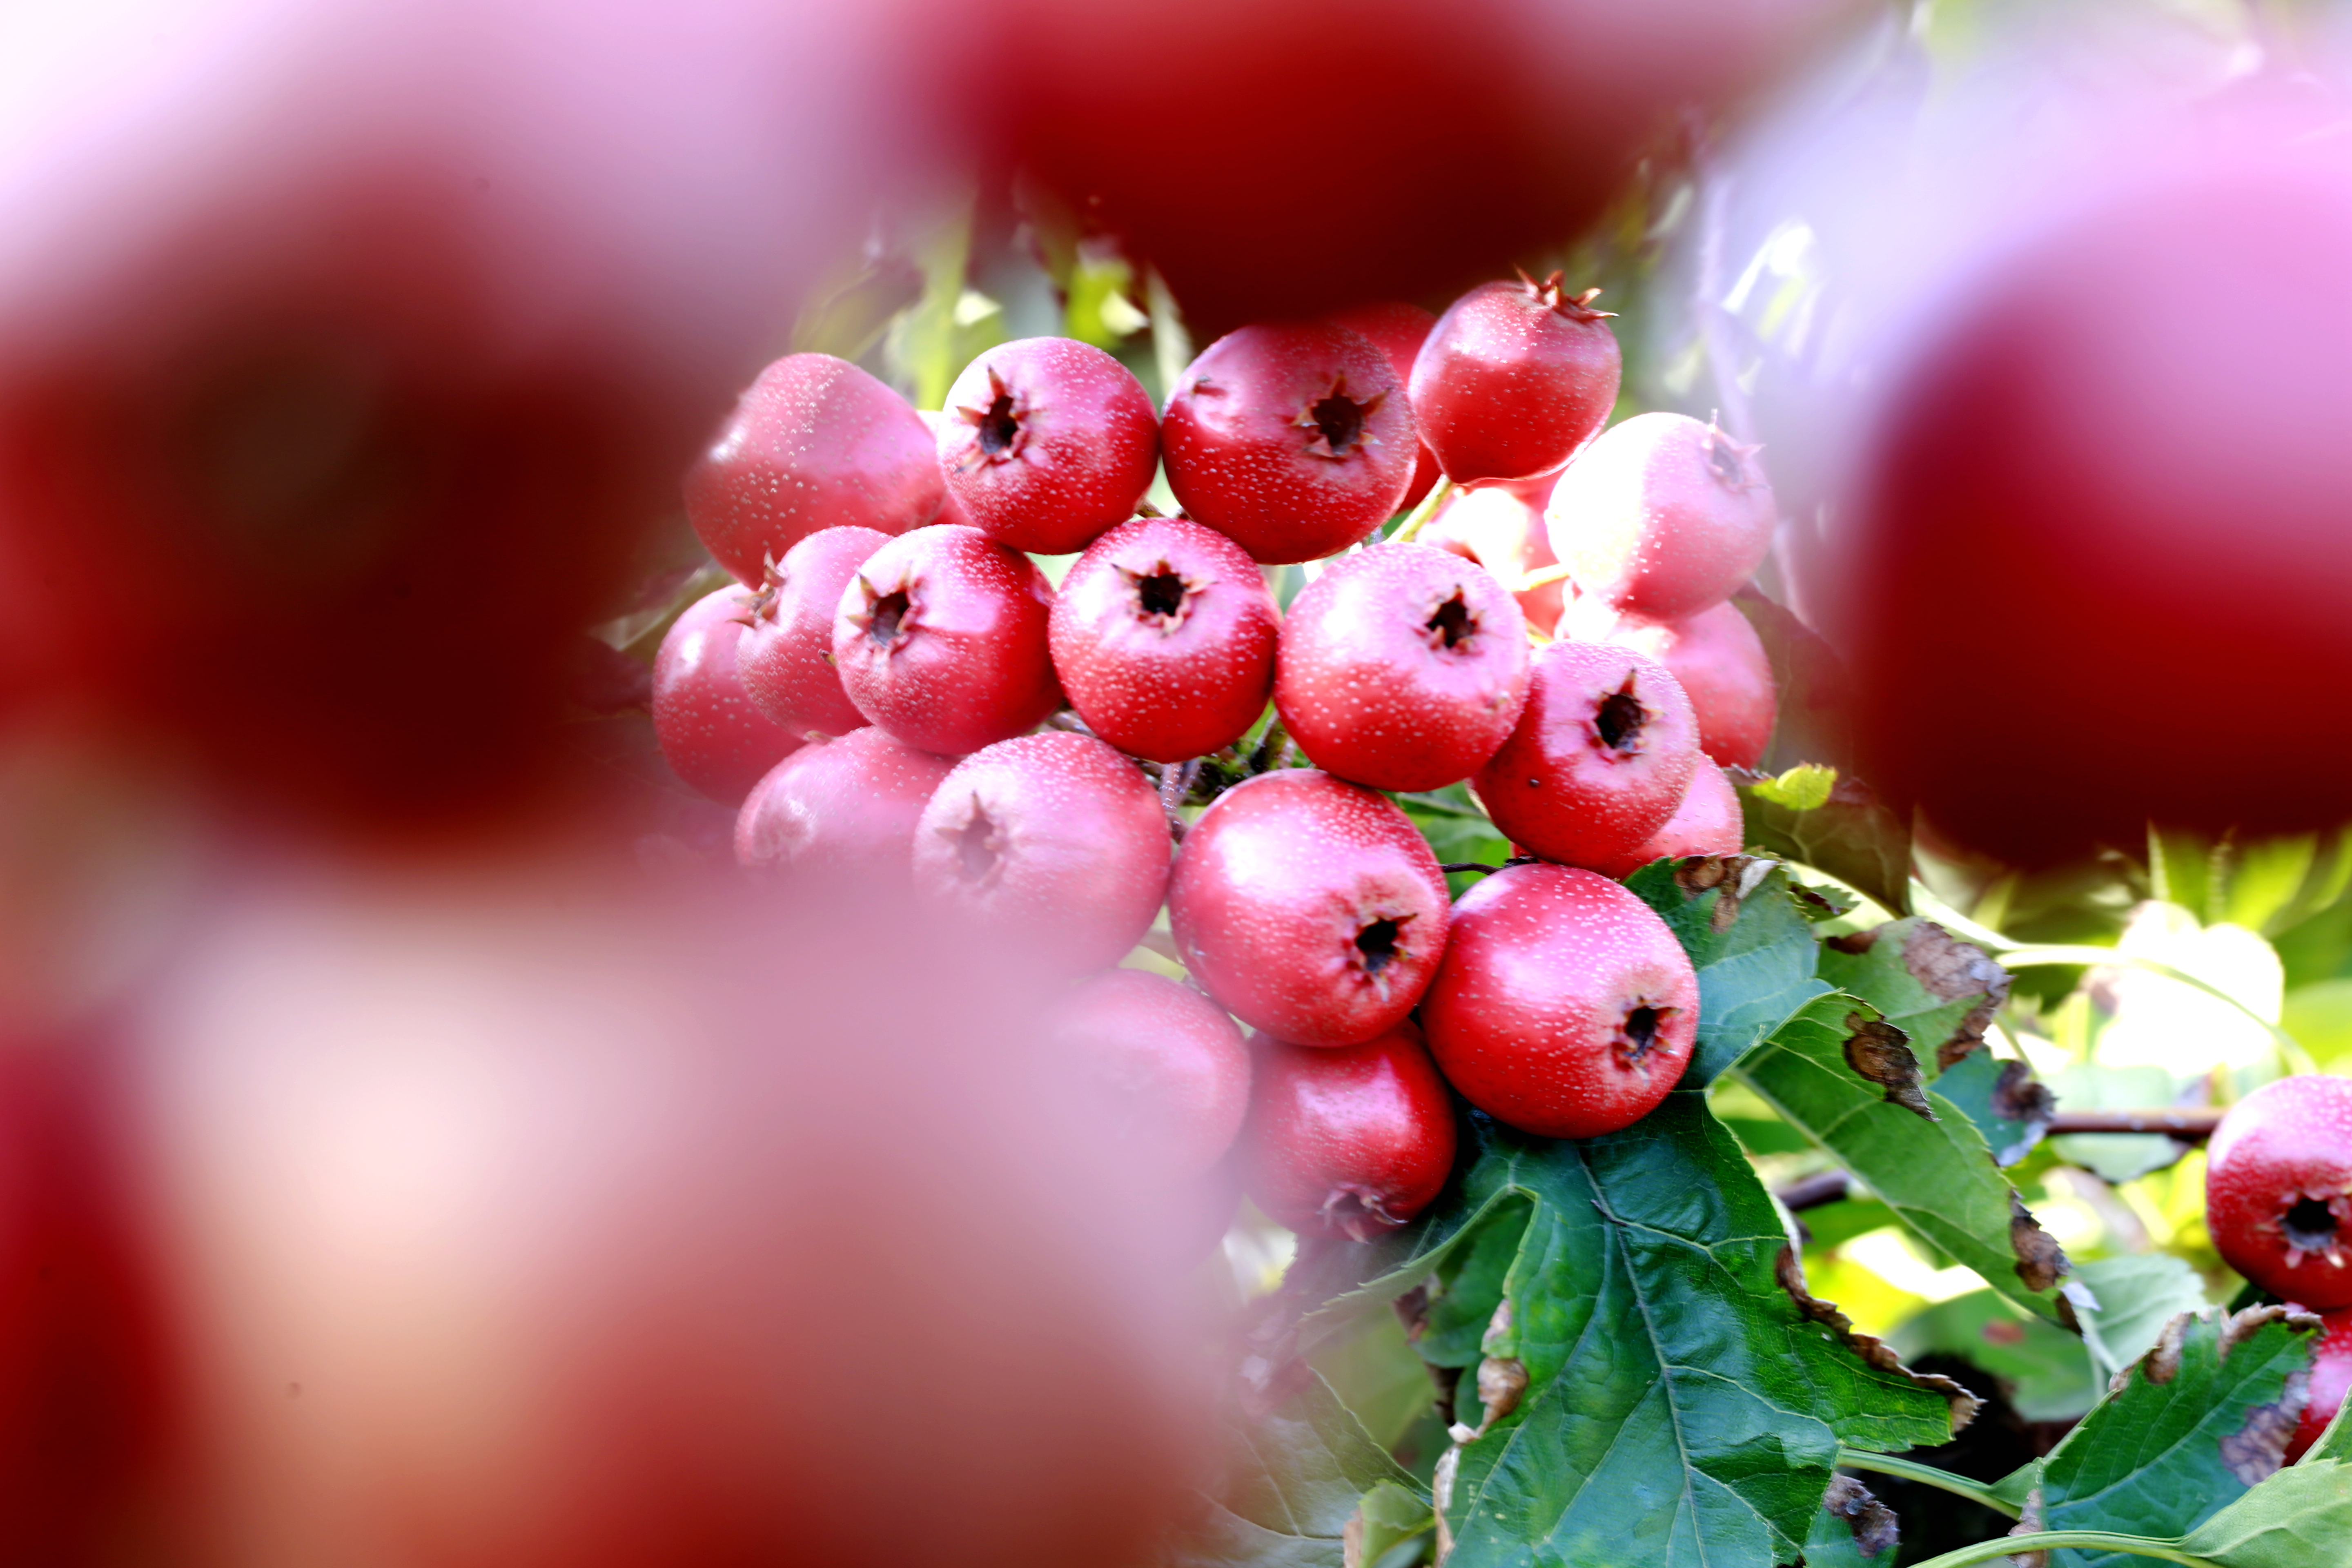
(1173, 1074)
(710, 731)
(1515, 379)
(1046, 443)
(2331, 1379)
(841, 810)
(813, 443)
(1501, 527)
(1664, 517)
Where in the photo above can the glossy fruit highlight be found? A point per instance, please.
(1664, 517)
(940, 639)
(2278, 1190)
(1047, 442)
(1564, 1005)
(1293, 441)
(1055, 842)
(1601, 756)
(1163, 635)
(786, 657)
(1310, 907)
(1402, 667)
(710, 733)
(1501, 527)
(1349, 1142)
(842, 810)
(1515, 379)
(813, 443)
(1169, 1068)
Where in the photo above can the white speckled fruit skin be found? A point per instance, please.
(1643, 520)
(843, 810)
(709, 729)
(1543, 966)
(1507, 389)
(1720, 662)
(2286, 1140)
(975, 668)
(1238, 459)
(1090, 445)
(813, 443)
(786, 657)
(1368, 693)
(1273, 884)
(1707, 822)
(1082, 848)
(1167, 693)
(1556, 790)
(1168, 1068)
(1501, 527)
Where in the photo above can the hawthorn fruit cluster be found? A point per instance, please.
(895, 692)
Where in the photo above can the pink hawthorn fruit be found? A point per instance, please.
(844, 808)
(1501, 527)
(1294, 441)
(1707, 822)
(813, 443)
(1047, 442)
(709, 729)
(786, 657)
(1720, 662)
(2278, 1189)
(1515, 379)
(1402, 667)
(1602, 754)
(1167, 1067)
(1564, 1006)
(1398, 331)
(1163, 635)
(1663, 516)
(1311, 907)
(1056, 841)
(1352, 1141)
(2331, 1379)
(940, 639)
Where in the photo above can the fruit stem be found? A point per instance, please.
(1926, 1475)
(1423, 512)
(1538, 577)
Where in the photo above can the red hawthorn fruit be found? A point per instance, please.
(1398, 331)
(813, 443)
(1056, 841)
(940, 639)
(1311, 907)
(1047, 442)
(1402, 667)
(1163, 635)
(1601, 756)
(843, 808)
(2278, 1189)
(1294, 441)
(710, 733)
(1515, 380)
(1662, 517)
(1349, 1141)
(1170, 1065)
(2072, 478)
(950, 509)
(1720, 662)
(786, 657)
(1564, 1006)
(1501, 527)
(2331, 1379)
(1707, 822)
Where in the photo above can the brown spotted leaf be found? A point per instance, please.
(1880, 1052)
(1937, 989)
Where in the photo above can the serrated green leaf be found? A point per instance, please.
(2002, 1096)
(1850, 836)
(1936, 988)
(1292, 1482)
(2138, 1293)
(2048, 1371)
(1833, 1541)
(2189, 1428)
(2300, 1517)
(1939, 1175)
(1388, 1516)
(1679, 1407)
(1805, 787)
(1755, 955)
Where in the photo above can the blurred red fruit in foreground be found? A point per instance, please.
(2140, 527)
(1172, 1075)
(1515, 379)
(1350, 1141)
(842, 811)
(814, 443)
(2278, 1190)
(712, 733)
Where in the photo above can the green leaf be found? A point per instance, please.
(2300, 1517)
(2048, 1371)
(2138, 1294)
(1388, 1516)
(1292, 1483)
(1754, 953)
(1676, 1405)
(2118, 1157)
(1933, 1170)
(2201, 1418)
(1851, 837)
(2008, 1105)
(1805, 787)
(1849, 1518)
(1936, 988)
